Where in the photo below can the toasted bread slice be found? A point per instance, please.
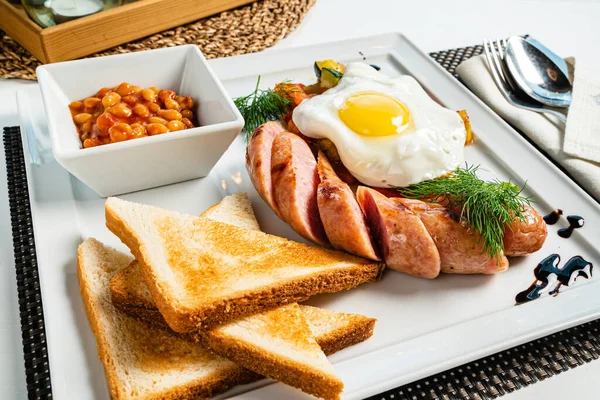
(234, 210)
(143, 361)
(130, 293)
(278, 344)
(291, 355)
(193, 265)
(333, 330)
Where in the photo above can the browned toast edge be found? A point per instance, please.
(348, 336)
(293, 291)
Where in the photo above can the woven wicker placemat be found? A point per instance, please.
(486, 378)
(244, 30)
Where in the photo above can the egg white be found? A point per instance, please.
(432, 146)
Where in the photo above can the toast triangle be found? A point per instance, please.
(278, 344)
(333, 330)
(128, 290)
(235, 210)
(192, 266)
(144, 361)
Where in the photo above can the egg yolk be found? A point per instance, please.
(374, 114)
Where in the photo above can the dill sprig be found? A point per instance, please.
(260, 106)
(486, 206)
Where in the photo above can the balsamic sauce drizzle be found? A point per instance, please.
(575, 222)
(376, 67)
(548, 271)
(553, 217)
(576, 266)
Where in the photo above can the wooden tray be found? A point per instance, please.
(106, 29)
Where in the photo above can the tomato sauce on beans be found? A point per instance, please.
(128, 112)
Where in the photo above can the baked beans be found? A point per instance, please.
(128, 112)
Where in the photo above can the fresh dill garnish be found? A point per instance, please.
(260, 106)
(486, 206)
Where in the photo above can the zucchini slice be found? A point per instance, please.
(330, 78)
(319, 65)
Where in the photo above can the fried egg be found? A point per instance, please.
(388, 132)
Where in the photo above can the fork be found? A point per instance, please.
(494, 53)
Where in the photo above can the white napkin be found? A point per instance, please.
(546, 131)
(582, 136)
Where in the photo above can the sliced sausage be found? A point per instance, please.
(525, 237)
(258, 160)
(403, 239)
(460, 248)
(342, 218)
(330, 151)
(295, 181)
(388, 192)
(520, 238)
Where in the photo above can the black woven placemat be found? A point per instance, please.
(486, 378)
(450, 59)
(33, 332)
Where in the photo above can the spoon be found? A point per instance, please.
(560, 62)
(536, 74)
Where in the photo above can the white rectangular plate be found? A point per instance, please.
(423, 326)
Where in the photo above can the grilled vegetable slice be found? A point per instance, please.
(319, 65)
(330, 78)
(315, 88)
(465, 117)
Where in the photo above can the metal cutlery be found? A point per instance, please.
(536, 74)
(556, 59)
(494, 53)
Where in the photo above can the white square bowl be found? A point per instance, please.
(152, 161)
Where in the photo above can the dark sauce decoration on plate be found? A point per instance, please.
(575, 222)
(548, 273)
(376, 67)
(553, 217)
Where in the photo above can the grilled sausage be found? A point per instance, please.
(258, 160)
(460, 248)
(403, 239)
(522, 238)
(295, 180)
(330, 151)
(342, 218)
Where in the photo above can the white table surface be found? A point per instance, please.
(568, 27)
